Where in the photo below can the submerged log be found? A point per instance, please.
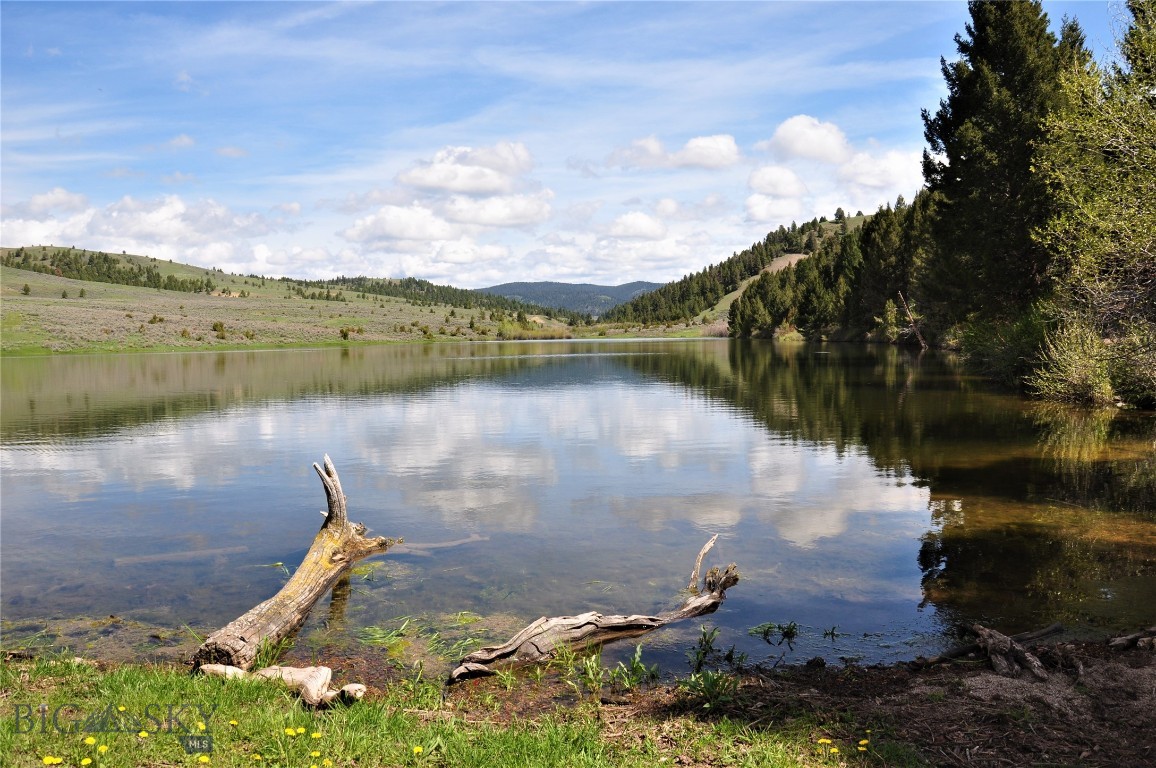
(544, 637)
(337, 546)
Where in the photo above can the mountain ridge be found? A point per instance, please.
(585, 298)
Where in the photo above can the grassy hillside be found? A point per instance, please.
(59, 314)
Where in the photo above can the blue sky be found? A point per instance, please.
(464, 143)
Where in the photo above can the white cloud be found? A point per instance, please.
(774, 209)
(234, 152)
(183, 141)
(176, 177)
(719, 151)
(393, 222)
(886, 171)
(708, 152)
(183, 81)
(499, 211)
(777, 181)
(57, 199)
(638, 225)
(486, 170)
(803, 136)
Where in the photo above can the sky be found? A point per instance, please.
(468, 144)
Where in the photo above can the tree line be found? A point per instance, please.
(99, 267)
(1031, 246)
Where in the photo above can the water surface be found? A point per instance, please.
(878, 492)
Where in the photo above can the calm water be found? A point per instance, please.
(871, 490)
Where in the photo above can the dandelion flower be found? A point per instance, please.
(834, 750)
(120, 708)
(300, 729)
(290, 732)
(315, 735)
(90, 741)
(143, 734)
(86, 761)
(862, 749)
(203, 759)
(200, 726)
(49, 760)
(417, 750)
(327, 762)
(256, 756)
(864, 742)
(315, 753)
(824, 741)
(102, 748)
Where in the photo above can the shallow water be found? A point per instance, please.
(869, 490)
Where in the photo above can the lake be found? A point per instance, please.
(875, 497)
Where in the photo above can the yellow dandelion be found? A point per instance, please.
(315, 753)
(834, 750)
(315, 735)
(143, 734)
(864, 742)
(49, 760)
(862, 749)
(200, 726)
(90, 741)
(417, 750)
(86, 761)
(290, 732)
(203, 759)
(327, 762)
(120, 708)
(824, 741)
(234, 723)
(102, 748)
(300, 730)
(256, 756)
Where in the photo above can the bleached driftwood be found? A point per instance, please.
(337, 546)
(544, 637)
(310, 683)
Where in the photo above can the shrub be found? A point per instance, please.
(1075, 366)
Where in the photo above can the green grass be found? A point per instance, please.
(408, 724)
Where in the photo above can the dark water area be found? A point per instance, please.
(868, 489)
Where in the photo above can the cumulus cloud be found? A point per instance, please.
(499, 211)
(818, 170)
(719, 151)
(777, 181)
(57, 199)
(394, 222)
(803, 136)
(485, 170)
(638, 225)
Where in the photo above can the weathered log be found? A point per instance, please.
(337, 546)
(970, 648)
(544, 637)
(1143, 639)
(1008, 657)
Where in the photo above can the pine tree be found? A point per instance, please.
(981, 140)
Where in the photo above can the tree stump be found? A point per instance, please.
(337, 546)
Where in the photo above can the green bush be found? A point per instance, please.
(1075, 366)
(1006, 349)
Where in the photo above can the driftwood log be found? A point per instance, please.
(970, 648)
(1008, 658)
(541, 639)
(337, 546)
(312, 684)
(1144, 639)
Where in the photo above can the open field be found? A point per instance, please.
(242, 313)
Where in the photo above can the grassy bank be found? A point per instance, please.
(149, 716)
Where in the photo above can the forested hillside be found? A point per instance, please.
(1033, 244)
(683, 299)
(583, 298)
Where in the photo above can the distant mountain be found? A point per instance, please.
(576, 297)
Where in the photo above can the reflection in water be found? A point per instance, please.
(867, 488)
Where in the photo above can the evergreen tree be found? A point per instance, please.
(981, 140)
